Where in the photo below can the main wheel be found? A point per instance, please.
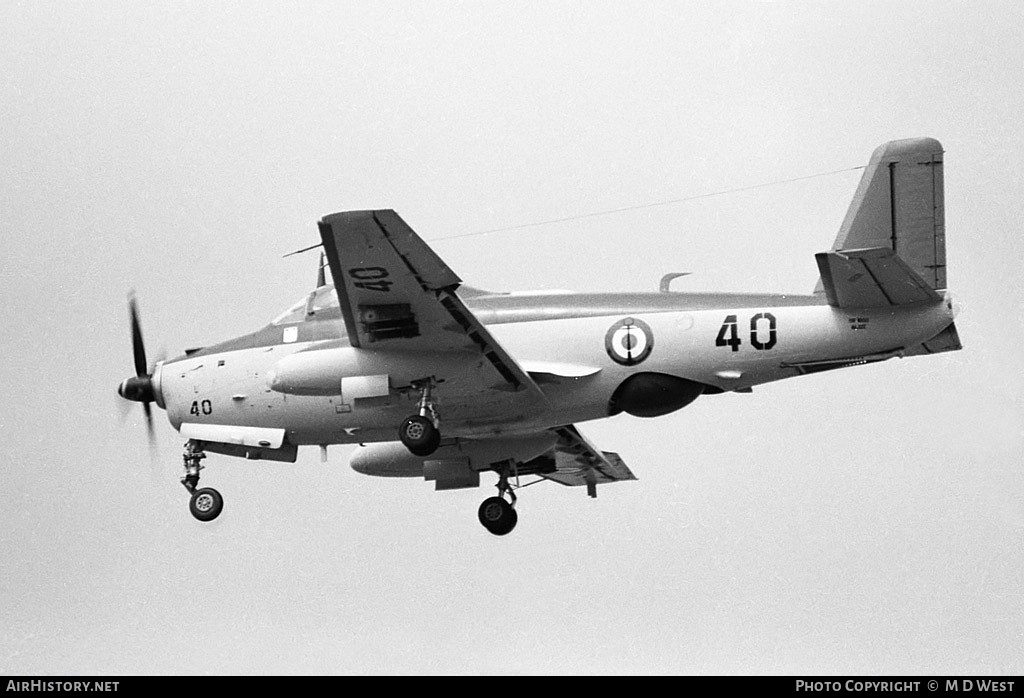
(206, 504)
(497, 516)
(419, 435)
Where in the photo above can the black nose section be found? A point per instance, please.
(137, 388)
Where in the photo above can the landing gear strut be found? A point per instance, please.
(206, 504)
(420, 432)
(497, 515)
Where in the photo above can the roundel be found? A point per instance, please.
(629, 341)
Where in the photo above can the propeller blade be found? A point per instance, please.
(138, 348)
(149, 423)
(139, 388)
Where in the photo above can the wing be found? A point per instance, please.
(396, 293)
(577, 462)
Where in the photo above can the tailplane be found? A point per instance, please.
(871, 278)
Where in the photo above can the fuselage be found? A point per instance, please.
(444, 382)
(580, 348)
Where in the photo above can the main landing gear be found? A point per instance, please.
(420, 432)
(206, 504)
(497, 515)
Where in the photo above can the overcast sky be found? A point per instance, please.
(868, 520)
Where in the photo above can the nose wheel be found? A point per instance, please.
(206, 503)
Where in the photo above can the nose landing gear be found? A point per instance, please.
(206, 503)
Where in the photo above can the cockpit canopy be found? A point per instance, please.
(321, 303)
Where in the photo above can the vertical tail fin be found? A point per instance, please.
(899, 205)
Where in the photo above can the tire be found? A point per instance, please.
(206, 504)
(497, 516)
(419, 435)
(509, 524)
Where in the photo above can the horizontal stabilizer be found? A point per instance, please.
(870, 278)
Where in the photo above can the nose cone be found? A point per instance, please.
(137, 389)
